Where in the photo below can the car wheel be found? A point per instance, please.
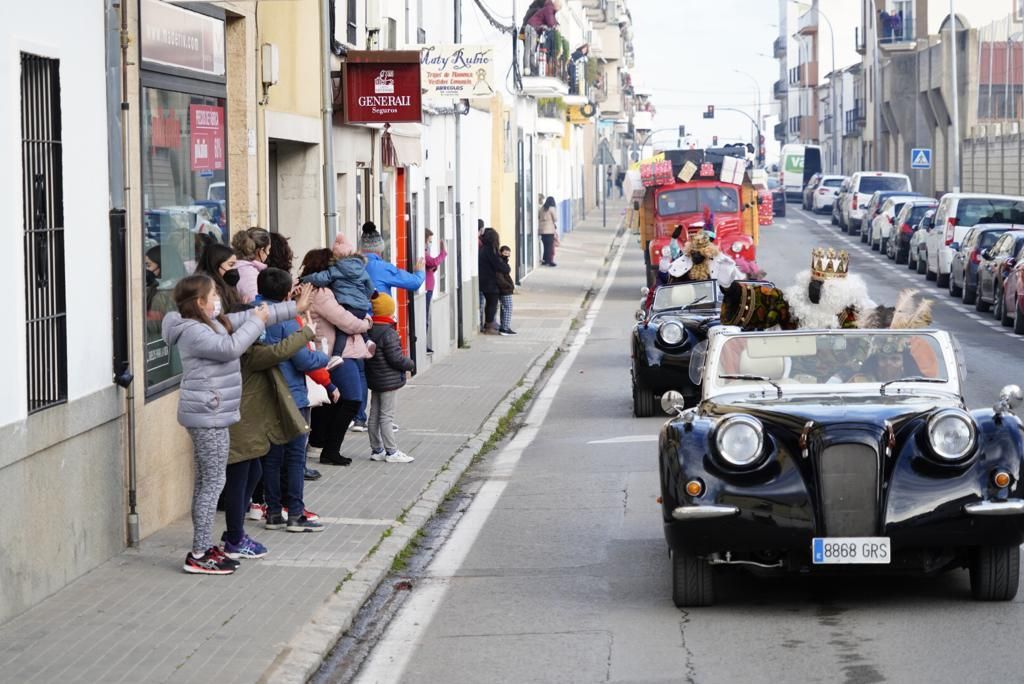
(979, 303)
(969, 295)
(863, 234)
(942, 279)
(1018, 318)
(835, 222)
(995, 572)
(1000, 312)
(692, 583)
(887, 249)
(922, 265)
(954, 289)
(643, 401)
(902, 256)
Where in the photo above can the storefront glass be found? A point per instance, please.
(184, 201)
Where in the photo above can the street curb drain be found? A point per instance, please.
(304, 654)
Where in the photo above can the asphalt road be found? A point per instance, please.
(558, 572)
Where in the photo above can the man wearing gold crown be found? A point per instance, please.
(826, 296)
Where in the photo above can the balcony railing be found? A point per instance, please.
(895, 28)
(549, 108)
(779, 90)
(779, 46)
(780, 132)
(545, 63)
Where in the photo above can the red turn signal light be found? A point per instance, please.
(694, 487)
(1001, 479)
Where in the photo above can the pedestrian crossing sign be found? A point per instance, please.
(921, 158)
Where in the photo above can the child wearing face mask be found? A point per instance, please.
(506, 288)
(210, 344)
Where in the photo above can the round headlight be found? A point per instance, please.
(951, 434)
(672, 333)
(739, 440)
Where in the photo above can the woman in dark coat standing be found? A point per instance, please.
(490, 264)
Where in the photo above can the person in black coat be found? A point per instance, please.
(385, 375)
(490, 264)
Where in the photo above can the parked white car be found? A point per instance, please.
(917, 257)
(863, 185)
(825, 193)
(956, 214)
(882, 224)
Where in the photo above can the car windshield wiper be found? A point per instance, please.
(756, 378)
(699, 300)
(915, 378)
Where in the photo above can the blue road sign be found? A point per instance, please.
(921, 158)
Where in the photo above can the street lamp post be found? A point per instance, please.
(956, 97)
(832, 83)
(757, 126)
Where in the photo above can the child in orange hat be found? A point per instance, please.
(385, 375)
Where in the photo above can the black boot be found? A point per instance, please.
(344, 411)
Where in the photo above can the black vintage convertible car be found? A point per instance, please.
(668, 327)
(840, 451)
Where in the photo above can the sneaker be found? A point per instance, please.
(208, 564)
(275, 521)
(304, 524)
(507, 331)
(311, 475)
(257, 512)
(377, 455)
(248, 549)
(356, 426)
(310, 515)
(219, 553)
(335, 460)
(398, 457)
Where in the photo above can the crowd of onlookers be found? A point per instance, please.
(277, 361)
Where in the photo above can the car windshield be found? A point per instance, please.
(718, 199)
(917, 213)
(685, 294)
(989, 237)
(835, 361)
(972, 211)
(871, 184)
(832, 182)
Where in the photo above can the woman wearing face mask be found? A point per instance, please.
(219, 262)
(252, 247)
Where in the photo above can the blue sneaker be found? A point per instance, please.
(248, 548)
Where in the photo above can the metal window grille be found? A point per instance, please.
(351, 23)
(43, 218)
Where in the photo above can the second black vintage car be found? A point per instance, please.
(672, 322)
(840, 451)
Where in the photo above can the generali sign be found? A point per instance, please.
(381, 86)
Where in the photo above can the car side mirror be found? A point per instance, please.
(640, 315)
(636, 205)
(985, 254)
(955, 246)
(1010, 397)
(672, 402)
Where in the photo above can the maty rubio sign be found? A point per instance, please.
(457, 71)
(382, 87)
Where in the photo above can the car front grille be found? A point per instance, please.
(849, 490)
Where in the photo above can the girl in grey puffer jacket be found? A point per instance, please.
(210, 344)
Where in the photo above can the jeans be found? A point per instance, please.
(241, 481)
(548, 244)
(293, 456)
(382, 415)
(363, 392)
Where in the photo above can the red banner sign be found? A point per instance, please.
(207, 129)
(380, 87)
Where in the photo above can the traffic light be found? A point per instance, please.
(714, 141)
(710, 114)
(682, 131)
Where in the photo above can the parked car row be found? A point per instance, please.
(968, 243)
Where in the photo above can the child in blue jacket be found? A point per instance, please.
(275, 285)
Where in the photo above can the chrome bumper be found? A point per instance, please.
(704, 512)
(1008, 507)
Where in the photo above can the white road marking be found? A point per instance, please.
(628, 439)
(391, 656)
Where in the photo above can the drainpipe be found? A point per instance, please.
(460, 324)
(327, 116)
(125, 41)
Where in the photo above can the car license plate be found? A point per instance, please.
(850, 550)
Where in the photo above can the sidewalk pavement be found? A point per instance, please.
(139, 618)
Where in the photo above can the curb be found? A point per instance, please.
(305, 652)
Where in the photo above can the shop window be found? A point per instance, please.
(184, 205)
(43, 220)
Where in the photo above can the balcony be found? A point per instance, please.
(896, 31)
(550, 116)
(779, 47)
(805, 128)
(804, 75)
(779, 90)
(854, 119)
(780, 132)
(807, 25)
(545, 64)
(859, 42)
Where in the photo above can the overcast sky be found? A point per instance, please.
(686, 53)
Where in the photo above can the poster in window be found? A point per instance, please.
(207, 137)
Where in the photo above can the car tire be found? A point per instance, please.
(902, 257)
(884, 248)
(995, 572)
(969, 295)
(1018, 318)
(922, 265)
(942, 279)
(692, 580)
(979, 303)
(863, 234)
(1000, 309)
(954, 289)
(643, 401)
(834, 221)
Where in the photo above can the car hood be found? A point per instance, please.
(835, 409)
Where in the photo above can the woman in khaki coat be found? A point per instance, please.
(547, 227)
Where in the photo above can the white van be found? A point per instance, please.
(797, 163)
(956, 214)
(863, 185)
